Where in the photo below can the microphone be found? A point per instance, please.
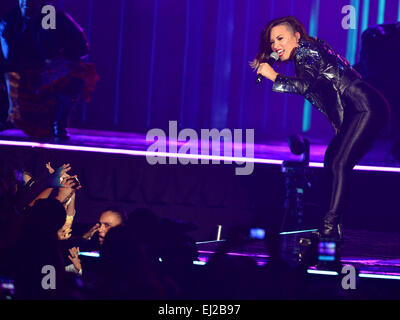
(273, 57)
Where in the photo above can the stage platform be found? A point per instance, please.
(375, 257)
(273, 151)
(370, 252)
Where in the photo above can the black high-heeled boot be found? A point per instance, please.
(67, 99)
(64, 106)
(60, 131)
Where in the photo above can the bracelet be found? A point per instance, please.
(68, 198)
(30, 183)
(69, 219)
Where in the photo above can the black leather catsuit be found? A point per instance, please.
(356, 110)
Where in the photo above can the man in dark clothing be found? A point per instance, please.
(44, 69)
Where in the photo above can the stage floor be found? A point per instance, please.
(136, 144)
(373, 254)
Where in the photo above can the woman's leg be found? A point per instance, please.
(343, 153)
(66, 100)
(366, 114)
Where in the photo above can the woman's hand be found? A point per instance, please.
(58, 174)
(267, 71)
(88, 235)
(66, 191)
(74, 257)
(65, 232)
(70, 182)
(49, 167)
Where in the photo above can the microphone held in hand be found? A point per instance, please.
(273, 57)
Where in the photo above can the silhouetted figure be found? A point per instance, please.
(127, 270)
(18, 190)
(379, 65)
(278, 279)
(168, 247)
(45, 69)
(39, 247)
(232, 276)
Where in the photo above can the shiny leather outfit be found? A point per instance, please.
(356, 110)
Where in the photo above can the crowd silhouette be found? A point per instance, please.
(139, 255)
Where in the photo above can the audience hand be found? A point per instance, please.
(74, 257)
(66, 191)
(49, 167)
(88, 235)
(65, 232)
(59, 174)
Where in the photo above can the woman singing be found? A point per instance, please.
(355, 109)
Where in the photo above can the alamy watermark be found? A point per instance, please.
(49, 280)
(183, 147)
(49, 20)
(349, 21)
(349, 280)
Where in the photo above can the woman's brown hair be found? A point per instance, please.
(264, 49)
